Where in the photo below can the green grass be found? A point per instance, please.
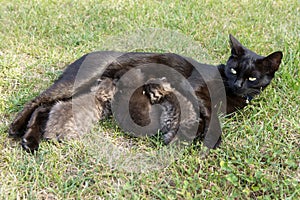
(259, 157)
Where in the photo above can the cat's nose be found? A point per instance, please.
(238, 83)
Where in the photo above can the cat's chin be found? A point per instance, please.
(238, 92)
(244, 95)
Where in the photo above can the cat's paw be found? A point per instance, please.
(218, 143)
(30, 144)
(31, 139)
(17, 127)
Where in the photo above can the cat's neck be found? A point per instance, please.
(221, 69)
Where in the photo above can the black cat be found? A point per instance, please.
(245, 75)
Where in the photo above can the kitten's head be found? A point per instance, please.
(105, 89)
(156, 88)
(248, 73)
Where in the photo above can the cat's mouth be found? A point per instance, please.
(247, 94)
(236, 90)
(240, 92)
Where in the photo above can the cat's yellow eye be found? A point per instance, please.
(233, 71)
(252, 79)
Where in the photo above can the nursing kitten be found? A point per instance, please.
(72, 118)
(131, 107)
(244, 76)
(160, 92)
(178, 116)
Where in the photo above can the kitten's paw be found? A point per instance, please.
(168, 137)
(53, 137)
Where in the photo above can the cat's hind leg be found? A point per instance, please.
(62, 89)
(35, 128)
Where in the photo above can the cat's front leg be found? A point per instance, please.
(212, 137)
(212, 130)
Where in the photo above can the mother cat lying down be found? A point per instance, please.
(200, 86)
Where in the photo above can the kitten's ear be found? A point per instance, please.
(273, 61)
(237, 48)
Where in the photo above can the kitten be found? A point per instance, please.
(245, 75)
(72, 118)
(159, 91)
(131, 108)
(178, 116)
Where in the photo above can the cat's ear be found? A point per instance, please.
(237, 48)
(272, 61)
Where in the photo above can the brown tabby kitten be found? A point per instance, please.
(244, 76)
(178, 113)
(72, 118)
(160, 92)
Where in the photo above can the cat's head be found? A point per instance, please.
(248, 73)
